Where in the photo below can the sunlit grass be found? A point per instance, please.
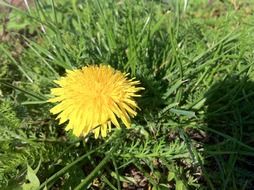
(195, 126)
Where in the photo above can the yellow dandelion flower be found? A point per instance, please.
(93, 97)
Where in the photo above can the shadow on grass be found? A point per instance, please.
(229, 152)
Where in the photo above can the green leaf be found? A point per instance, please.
(171, 176)
(33, 181)
(180, 185)
(189, 114)
(173, 89)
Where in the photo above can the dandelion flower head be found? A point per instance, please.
(94, 97)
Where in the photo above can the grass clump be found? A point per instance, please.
(194, 130)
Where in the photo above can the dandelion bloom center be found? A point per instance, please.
(93, 97)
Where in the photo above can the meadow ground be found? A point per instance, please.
(195, 128)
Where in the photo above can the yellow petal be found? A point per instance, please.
(104, 130)
(96, 132)
(94, 97)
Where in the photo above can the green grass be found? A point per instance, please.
(195, 128)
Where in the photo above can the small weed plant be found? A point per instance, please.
(195, 125)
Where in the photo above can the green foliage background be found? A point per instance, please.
(195, 127)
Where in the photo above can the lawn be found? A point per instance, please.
(195, 125)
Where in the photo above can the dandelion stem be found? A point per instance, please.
(65, 169)
(97, 169)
